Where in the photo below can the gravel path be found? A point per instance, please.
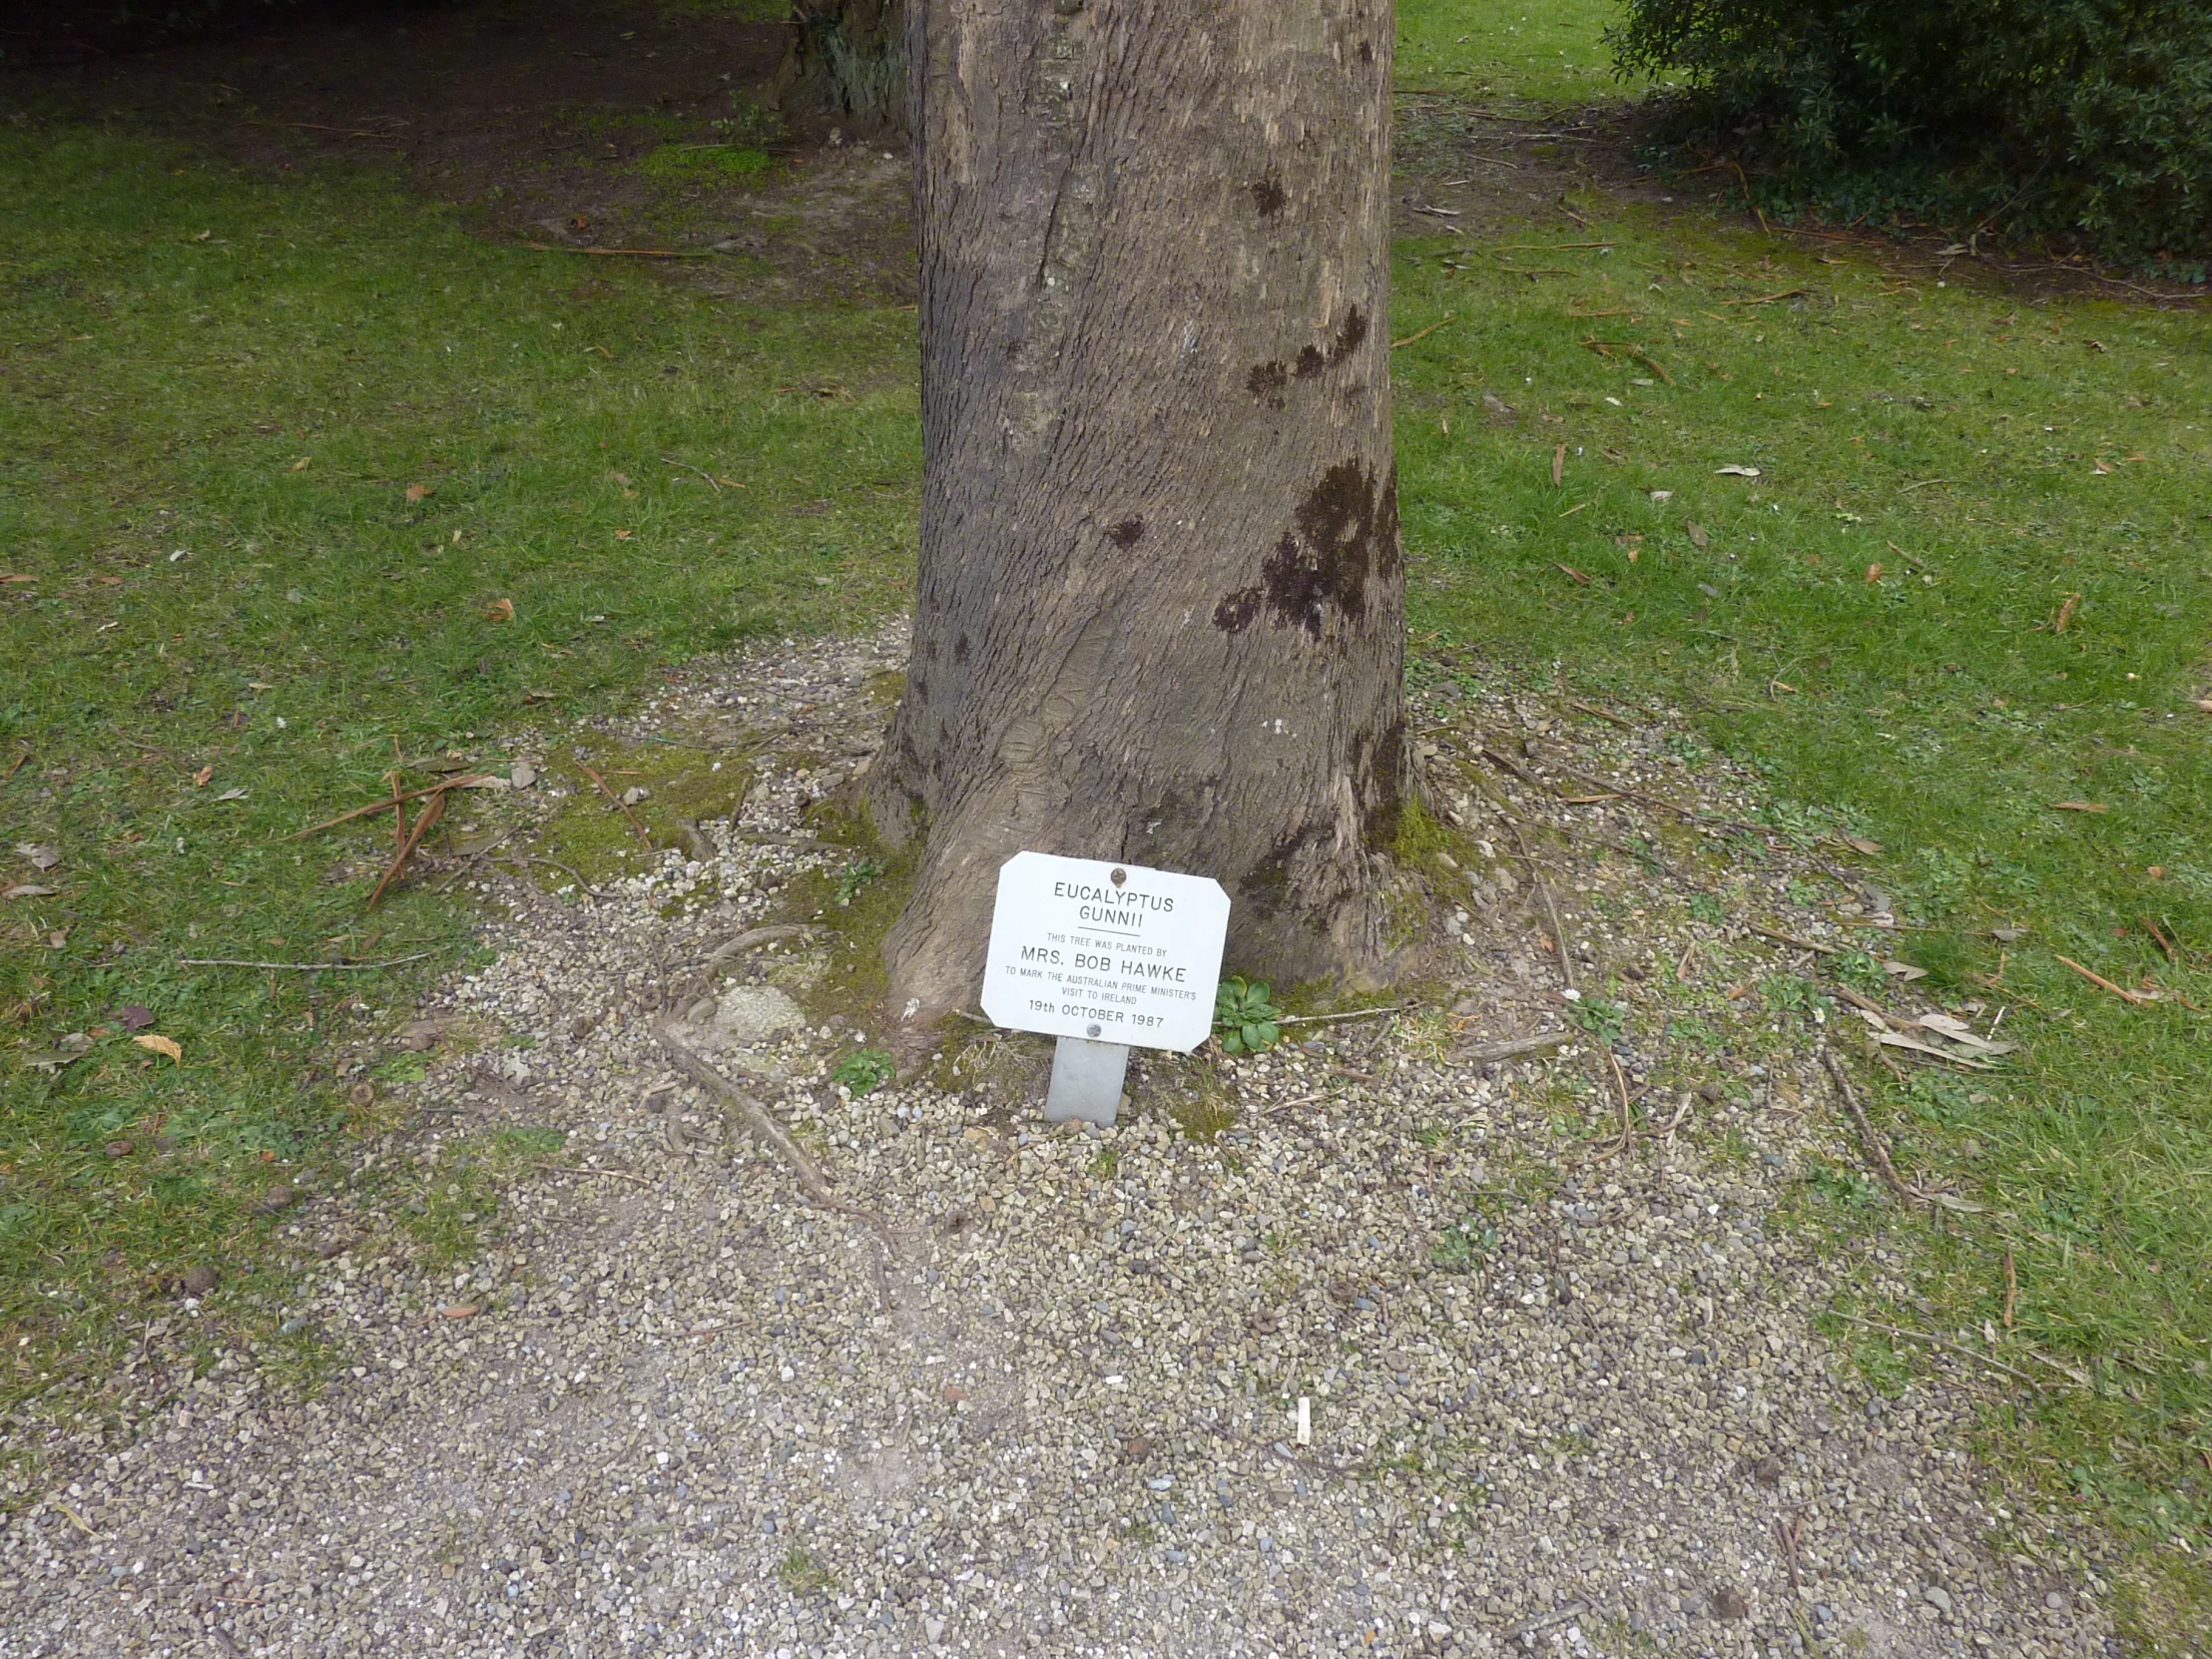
(992, 1391)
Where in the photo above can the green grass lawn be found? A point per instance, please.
(1533, 52)
(252, 375)
(270, 456)
(1871, 622)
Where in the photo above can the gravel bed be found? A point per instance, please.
(1018, 1392)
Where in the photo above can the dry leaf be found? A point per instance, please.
(1660, 498)
(28, 890)
(1733, 471)
(2080, 807)
(42, 856)
(199, 777)
(622, 535)
(465, 1311)
(301, 465)
(1576, 574)
(159, 1044)
(419, 492)
(1874, 573)
(500, 610)
(202, 236)
(14, 576)
(1697, 534)
(2066, 614)
(1558, 466)
(232, 795)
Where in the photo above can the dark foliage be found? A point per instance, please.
(2083, 119)
(50, 31)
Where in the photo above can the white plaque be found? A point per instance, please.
(1110, 953)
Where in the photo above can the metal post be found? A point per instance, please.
(1086, 1081)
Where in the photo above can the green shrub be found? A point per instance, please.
(2080, 117)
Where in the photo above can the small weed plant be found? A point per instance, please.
(1246, 1018)
(863, 1071)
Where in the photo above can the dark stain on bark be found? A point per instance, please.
(960, 649)
(1366, 52)
(1127, 533)
(1380, 767)
(1314, 359)
(1345, 533)
(1237, 611)
(1265, 384)
(1268, 196)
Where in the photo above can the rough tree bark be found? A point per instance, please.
(1161, 603)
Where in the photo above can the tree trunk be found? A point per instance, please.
(1160, 610)
(846, 61)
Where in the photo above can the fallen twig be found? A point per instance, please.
(1791, 939)
(785, 837)
(1622, 348)
(1770, 299)
(2095, 979)
(1627, 1135)
(619, 252)
(1503, 765)
(464, 781)
(635, 823)
(340, 132)
(1513, 1048)
(1689, 813)
(1609, 719)
(1536, 878)
(1953, 1347)
(1876, 1149)
(1423, 335)
(1573, 1610)
(2172, 950)
(711, 483)
(18, 765)
(301, 967)
(1356, 1013)
(423, 820)
(578, 1169)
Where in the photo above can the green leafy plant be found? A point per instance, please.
(1464, 1246)
(1603, 1019)
(1860, 970)
(1246, 1018)
(864, 1070)
(854, 878)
